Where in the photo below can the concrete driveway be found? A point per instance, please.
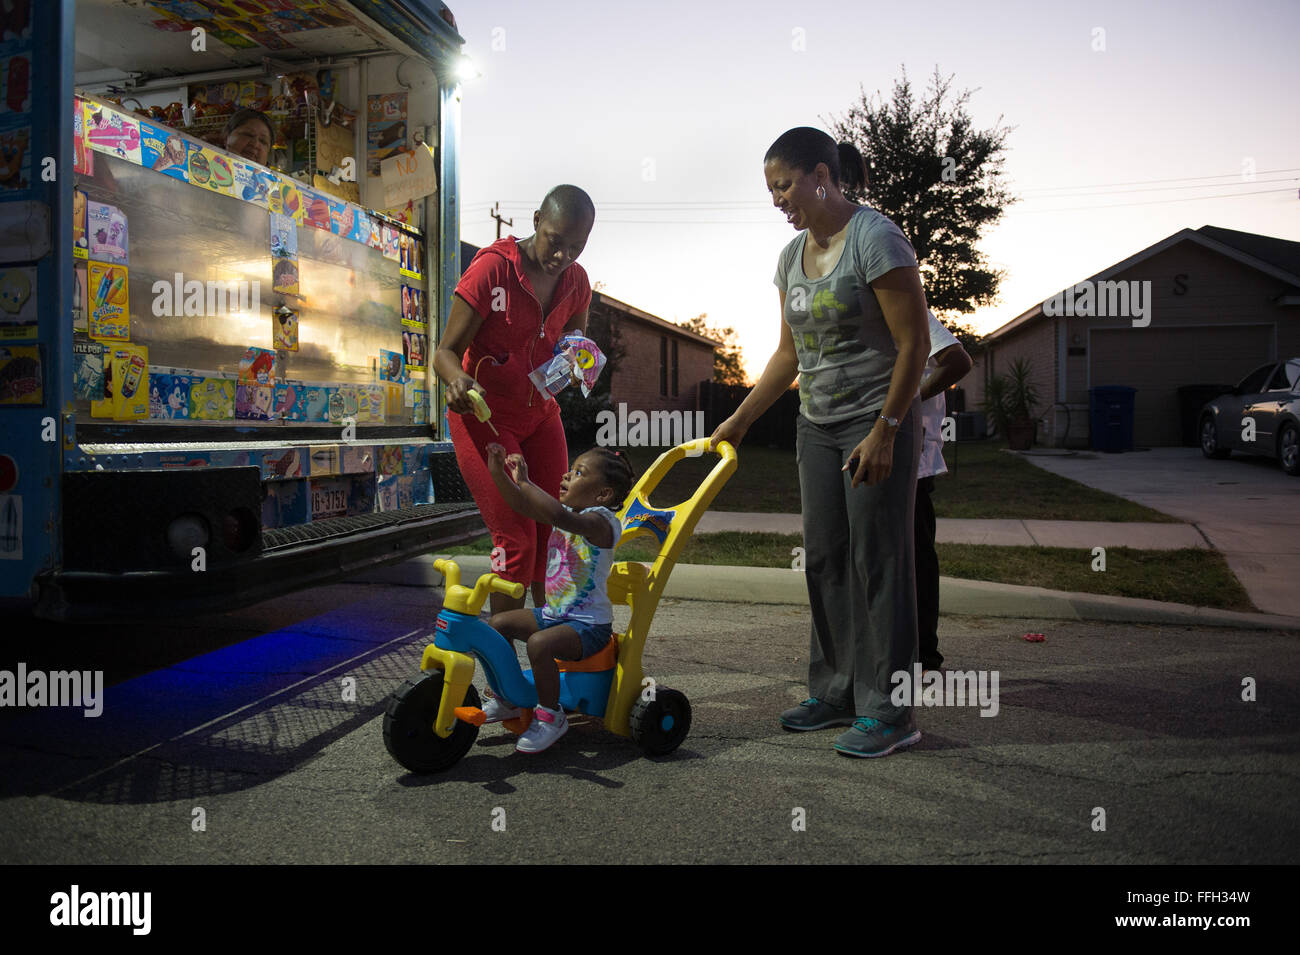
(1247, 508)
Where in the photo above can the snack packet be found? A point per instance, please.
(577, 360)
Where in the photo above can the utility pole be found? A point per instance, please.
(496, 214)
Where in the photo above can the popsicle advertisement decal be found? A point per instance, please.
(110, 320)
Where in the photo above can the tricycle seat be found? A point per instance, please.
(605, 659)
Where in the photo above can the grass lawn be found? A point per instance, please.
(767, 480)
(1191, 576)
(982, 482)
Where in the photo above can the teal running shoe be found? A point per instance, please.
(870, 737)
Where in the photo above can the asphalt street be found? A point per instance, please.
(248, 749)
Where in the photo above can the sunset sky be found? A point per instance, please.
(663, 113)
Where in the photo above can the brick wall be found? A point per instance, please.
(1037, 344)
(639, 378)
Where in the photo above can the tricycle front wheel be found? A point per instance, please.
(408, 726)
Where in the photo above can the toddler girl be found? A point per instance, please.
(576, 621)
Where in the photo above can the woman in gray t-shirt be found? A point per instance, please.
(855, 331)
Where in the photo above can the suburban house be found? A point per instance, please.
(663, 364)
(1203, 306)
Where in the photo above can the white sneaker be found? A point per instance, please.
(495, 711)
(547, 726)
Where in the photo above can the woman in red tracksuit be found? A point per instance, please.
(516, 299)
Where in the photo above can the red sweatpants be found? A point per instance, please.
(547, 455)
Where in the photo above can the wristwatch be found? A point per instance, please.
(892, 422)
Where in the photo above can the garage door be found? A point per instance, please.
(1158, 361)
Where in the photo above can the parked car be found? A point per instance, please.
(1259, 416)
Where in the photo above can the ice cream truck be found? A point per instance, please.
(230, 236)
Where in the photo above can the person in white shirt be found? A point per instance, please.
(947, 365)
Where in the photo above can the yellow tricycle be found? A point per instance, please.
(432, 721)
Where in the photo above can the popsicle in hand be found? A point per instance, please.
(481, 409)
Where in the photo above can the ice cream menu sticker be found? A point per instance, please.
(212, 399)
(212, 170)
(15, 158)
(109, 318)
(284, 236)
(341, 216)
(106, 233)
(254, 402)
(80, 243)
(80, 298)
(17, 302)
(88, 370)
(316, 212)
(83, 158)
(169, 397)
(391, 243)
(15, 83)
(21, 381)
(109, 131)
(164, 151)
(284, 328)
(286, 198)
(130, 365)
(284, 253)
(413, 308)
(386, 129)
(360, 228)
(392, 366)
(254, 184)
(126, 384)
(409, 254)
(257, 367)
(414, 348)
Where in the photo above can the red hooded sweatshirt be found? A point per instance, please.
(514, 339)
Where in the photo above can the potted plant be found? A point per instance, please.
(1009, 402)
(1021, 399)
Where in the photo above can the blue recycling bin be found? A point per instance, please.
(1111, 414)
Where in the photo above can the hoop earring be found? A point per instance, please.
(821, 193)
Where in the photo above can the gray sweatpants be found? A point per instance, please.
(860, 565)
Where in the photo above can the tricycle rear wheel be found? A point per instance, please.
(408, 726)
(660, 725)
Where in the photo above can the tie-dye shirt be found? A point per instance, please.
(576, 573)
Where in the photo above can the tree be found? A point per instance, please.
(728, 366)
(939, 179)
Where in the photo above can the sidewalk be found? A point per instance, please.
(986, 598)
(1002, 533)
(1245, 508)
(776, 585)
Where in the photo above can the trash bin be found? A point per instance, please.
(1111, 414)
(1191, 399)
